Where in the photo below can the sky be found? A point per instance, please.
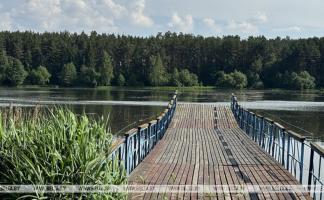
(271, 18)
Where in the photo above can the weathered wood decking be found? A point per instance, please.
(204, 145)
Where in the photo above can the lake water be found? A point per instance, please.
(302, 111)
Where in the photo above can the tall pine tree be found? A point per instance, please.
(157, 76)
(16, 73)
(3, 65)
(106, 69)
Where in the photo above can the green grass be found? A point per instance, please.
(55, 146)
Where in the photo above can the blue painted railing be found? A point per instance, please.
(301, 158)
(137, 143)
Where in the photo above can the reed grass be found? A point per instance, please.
(55, 146)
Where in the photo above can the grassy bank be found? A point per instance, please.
(55, 146)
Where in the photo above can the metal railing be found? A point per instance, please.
(137, 143)
(301, 158)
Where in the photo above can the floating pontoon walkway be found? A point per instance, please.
(204, 145)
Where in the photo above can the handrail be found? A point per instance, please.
(136, 144)
(317, 148)
(117, 143)
(286, 146)
(296, 135)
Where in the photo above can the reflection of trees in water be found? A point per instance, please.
(120, 116)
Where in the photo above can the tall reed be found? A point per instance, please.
(55, 146)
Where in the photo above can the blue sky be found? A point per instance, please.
(294, 18)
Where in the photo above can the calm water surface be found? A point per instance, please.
(300, 111)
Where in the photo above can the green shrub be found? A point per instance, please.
(174, 78)
(254, 80)
(293, 80)
(304, 81)
(88, 76)
(56, 147)
(39, 76)
(121, 80)
(68, 74)
(234, 79)
(188, 79)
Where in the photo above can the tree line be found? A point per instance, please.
(167, 59)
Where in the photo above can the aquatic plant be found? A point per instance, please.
(56, 146)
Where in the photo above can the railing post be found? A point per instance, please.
(158, 128)
(265, 131)
(311, 167)
(275, 129)
(157, 131)
(270, 137)
(162, 126)
(261, 131)
(152, 128)
(127, 162)
(247, 121)
(283, 147)
(254, 125)
(241, 116)
(301, 161)
(288, 149)
(250, 122)
(121, 159)
(149, 136)
(139, 144)
(247, 129)
(244, 119)
(167, 113)
(232, 102)
(257, 129)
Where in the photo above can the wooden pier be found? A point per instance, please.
(204, 145)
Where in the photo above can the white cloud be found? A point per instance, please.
(210, 23)
(46, 13)
(6, 21)
(138, 16)
(288, 29)
(260, 17)
(183, 24)
(43, 7)
(117, 9)
(295, 28)
(80, 15)
(243, 27)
